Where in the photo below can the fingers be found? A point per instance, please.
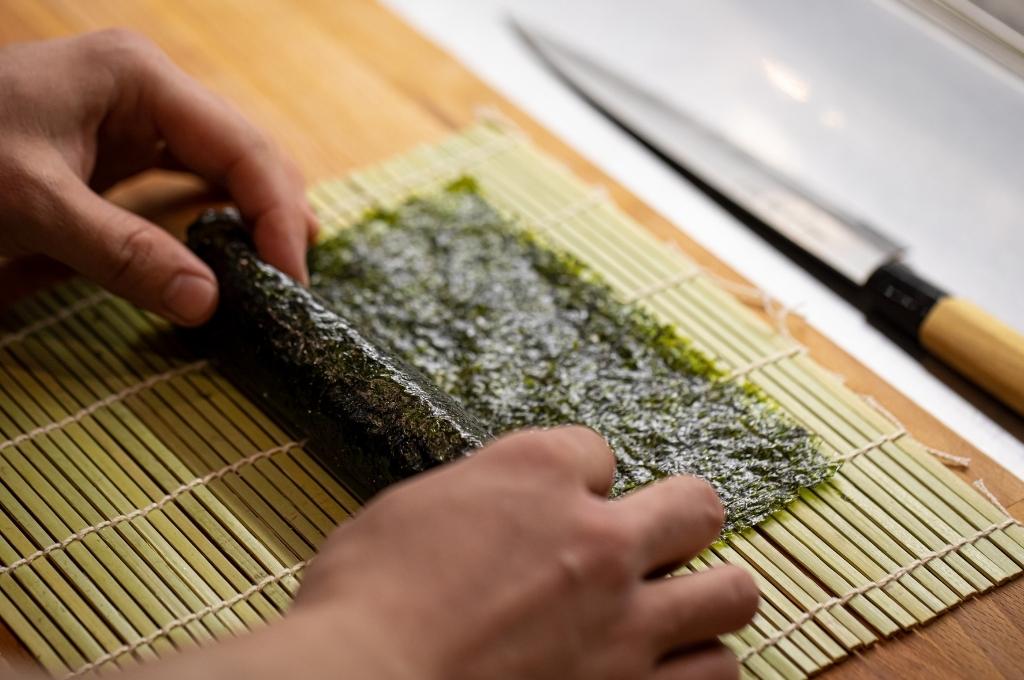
(577, 451)
(713, 662)
(129, 256)
(211, 138)
(689, 609)
(676, 518)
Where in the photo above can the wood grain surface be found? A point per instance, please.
(344, 83)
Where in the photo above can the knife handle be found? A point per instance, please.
(980, 346)
(975, 343)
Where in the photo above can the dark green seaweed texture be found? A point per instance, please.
(524, 335)
(370, 418)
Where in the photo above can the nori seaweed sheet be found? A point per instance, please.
(371, 419)
(524, 335)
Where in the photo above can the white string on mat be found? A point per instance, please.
(889, 578)
(781, 355)
(947, 458)
(155, 505)
(54, 318)
(102, 403)
(872, 445)
(171, 626)
(667, 283)
(776, 309)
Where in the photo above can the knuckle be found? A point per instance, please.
(132, 257)
(259, 145)
(570, 444)
(590, 569)
(392, 500)
(537, 449)
(582, 438)
(122, 48)
(555, 455)
(256, 153)
(120, 40)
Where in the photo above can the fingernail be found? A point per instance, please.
(189, 298)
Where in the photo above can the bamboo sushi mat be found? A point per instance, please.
(148, 506)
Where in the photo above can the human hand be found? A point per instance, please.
(79, 115)
(513, 564)
(509, 564)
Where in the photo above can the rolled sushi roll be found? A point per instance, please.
(368, 417)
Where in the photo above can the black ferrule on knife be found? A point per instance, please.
(901, 297)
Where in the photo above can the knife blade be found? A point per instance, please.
(970, 340)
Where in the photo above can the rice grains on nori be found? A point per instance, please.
(524, 335)
(370, 418)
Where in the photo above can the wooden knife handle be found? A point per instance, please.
(978, 345)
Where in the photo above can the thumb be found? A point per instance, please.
(131, 257)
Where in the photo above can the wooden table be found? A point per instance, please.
(343, 83)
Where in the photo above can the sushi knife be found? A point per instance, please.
(979, 346)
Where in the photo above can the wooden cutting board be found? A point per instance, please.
(342, 84)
